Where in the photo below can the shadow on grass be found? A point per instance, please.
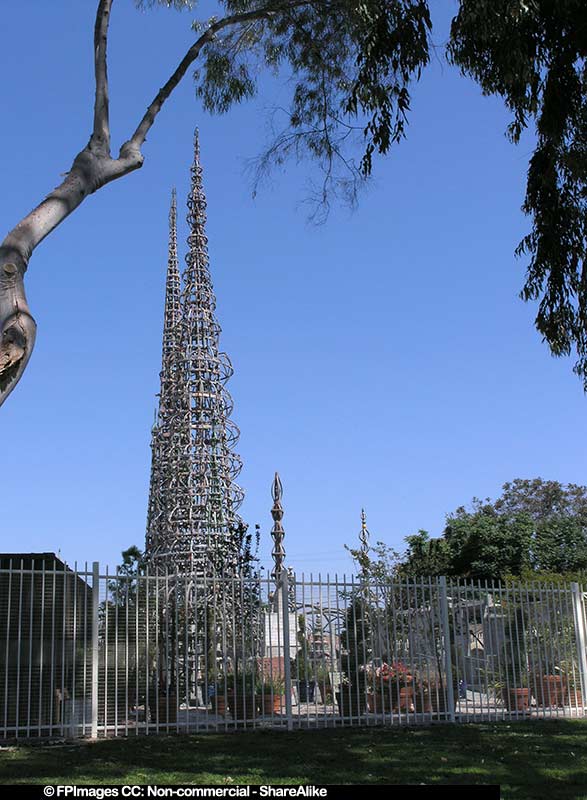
(530, 760)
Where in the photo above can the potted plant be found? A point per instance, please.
(574, 693)
(571, 680)
(355, 650)
(549, 670)
(549, 689)
(305, 675)
(422, 701)
(395, 685)
(323, 683)
(271, 694)
(217, 693)
(241, 696)
(517, 696)
(438, 694)
(390, 686)
(349, 699)
(374, 693)
(166, 703)
(432, 692)
(516, 693)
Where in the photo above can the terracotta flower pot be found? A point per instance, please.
(422, 703)
(574, 698)
(550, 690)
(219, 704)
(376, 702)
(242, 706)
(517, 699)
(271, 704)
(405, 700)
(350, 704)
(167, 708)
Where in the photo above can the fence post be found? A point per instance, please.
(286, 651)
(581, 634)
(447, 643)
(95, 611)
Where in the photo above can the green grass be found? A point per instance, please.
(531, 760)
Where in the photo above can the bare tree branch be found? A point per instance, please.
(101, 132)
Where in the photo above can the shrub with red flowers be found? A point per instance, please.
(395, 673)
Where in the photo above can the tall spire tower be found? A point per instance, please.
(163, 431)
(199, 525)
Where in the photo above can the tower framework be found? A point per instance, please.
(193, 522)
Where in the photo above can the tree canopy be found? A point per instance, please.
(534, 528)
(351, 64)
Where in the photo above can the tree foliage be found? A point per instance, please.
(485, 545)
(533, 53)
(424, 556)
(543, 499)
(350, 65)
(535, 528)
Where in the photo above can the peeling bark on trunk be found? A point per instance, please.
(91, 169)
(17, 327)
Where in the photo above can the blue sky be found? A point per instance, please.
(381, 360)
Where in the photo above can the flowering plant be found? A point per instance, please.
(394, 674)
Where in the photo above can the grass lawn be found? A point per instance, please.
(531, 760)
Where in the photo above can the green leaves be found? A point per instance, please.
(225, 81)
(349, 64)
(179, 5)
(534, 527)
(533, 54)
(392, 46)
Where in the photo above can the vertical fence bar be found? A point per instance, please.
(18, 651)
(74, 713)
(286, 648)
(106, 630)
(455, 589)
(30, 655)
(41, 643)
(85, 671)
(116, 606)
(581, 636)
(447, 646)
(568, 646)
(95, 612)
(186, 651)
(7, 653)
(562, 649)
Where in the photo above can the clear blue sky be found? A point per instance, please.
(382, 360)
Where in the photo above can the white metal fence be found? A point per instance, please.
(88, 653)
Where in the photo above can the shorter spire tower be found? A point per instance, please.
(364, 534)
(277, 532)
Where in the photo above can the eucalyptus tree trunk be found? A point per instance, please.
(92, 168)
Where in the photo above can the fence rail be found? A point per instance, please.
(90, 653)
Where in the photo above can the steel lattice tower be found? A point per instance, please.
(193, 500)
(162, 433)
